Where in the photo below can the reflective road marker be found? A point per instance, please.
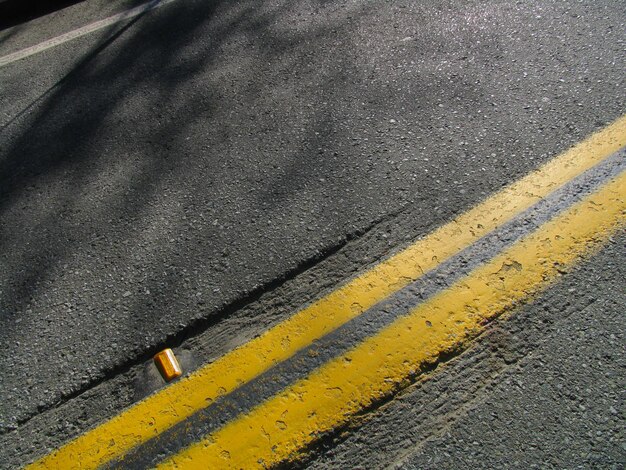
(168, 365)
(180, 419)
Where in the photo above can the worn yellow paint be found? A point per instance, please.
(178, 401)
(277, 429)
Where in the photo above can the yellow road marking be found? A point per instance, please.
(178, 401)
(277, 429)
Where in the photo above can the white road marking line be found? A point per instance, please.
(82, 31)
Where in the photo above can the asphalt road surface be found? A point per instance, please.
(162, 176)
(543, 388)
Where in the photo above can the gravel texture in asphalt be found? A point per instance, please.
(541, 388)
(159, 175)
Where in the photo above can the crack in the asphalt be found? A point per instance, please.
(346, 336)
(200, 325)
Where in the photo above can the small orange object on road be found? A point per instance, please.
(168, 365)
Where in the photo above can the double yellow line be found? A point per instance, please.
(279, 427)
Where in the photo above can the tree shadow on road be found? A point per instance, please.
(111, 184)
(16, 12)
(192, 159)
(208, 150)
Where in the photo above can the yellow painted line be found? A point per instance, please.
(178, 401)
(276, 430)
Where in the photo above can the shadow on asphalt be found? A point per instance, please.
(117, 178)
(16, 12)
(60, 141)
(197, 151)
(97, 199)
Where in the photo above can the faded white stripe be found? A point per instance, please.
(82, 31)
